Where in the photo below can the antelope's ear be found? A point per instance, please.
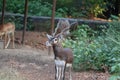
(48, 44)
(49, 36)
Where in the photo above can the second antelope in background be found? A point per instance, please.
(7, 31)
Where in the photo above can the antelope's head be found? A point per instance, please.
(51, 40)
(58, 36)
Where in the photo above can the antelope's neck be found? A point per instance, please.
(1, 27)
(56, 50)
(1, 30)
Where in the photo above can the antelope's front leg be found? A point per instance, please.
(55, 72)
(64, 71)
(5, 39)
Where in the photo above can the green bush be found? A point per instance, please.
(64, 8)
(114, 18)
(35, 7)
(93, 50)
(115, 77)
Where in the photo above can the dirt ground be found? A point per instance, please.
(32, 61)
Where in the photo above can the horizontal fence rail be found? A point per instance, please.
(40, 23)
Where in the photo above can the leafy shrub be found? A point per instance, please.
(35, 7)
(115, 68)
(114, 18)
(64, 8)
(114, 36)
(94, 51)
(39, 8)
(95, 8)
(114, 77)
(15, 6)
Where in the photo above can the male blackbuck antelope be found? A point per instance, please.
(7, 30)
(62, 56)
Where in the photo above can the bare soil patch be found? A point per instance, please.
(33, 39)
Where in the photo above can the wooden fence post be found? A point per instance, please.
(53, 16)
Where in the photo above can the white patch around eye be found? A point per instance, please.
(55, 41)
(48, 44)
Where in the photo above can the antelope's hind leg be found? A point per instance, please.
(70, 72)
(8, 42)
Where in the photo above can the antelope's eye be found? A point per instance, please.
(55, 39)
